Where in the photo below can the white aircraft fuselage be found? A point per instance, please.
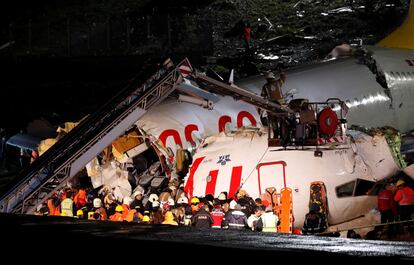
(370, 104)
(243, 160)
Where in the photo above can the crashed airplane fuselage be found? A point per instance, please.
(243, 160)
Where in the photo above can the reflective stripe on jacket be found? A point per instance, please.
(67, 207)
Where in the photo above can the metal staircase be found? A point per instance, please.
(69, 155)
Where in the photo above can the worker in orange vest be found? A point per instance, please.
(405, 199)
(80, 199)
(117, 216)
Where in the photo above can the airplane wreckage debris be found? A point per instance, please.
(138, 162)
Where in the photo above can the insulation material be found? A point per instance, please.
(374, 154)
(110, 176)
(68, 127)
(45, 145)
(126, 142)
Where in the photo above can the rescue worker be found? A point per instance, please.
(151, 199)
(188, 213)
(202, 218)
(169, 219)
(98, 212)
(224, 202)
(314, 221)
(246, 202)
(236, 219)
(156, 213)
(405, 199)
(137, 196)
(179, 211)
(195, 205)
(126, 205)
(258, 202)
(386, 204)
(146, 219)
(268, 221)
(67, 206)
(117, 216)
(272, 91)
(253, 220)
(79, 214)
(80, 198)
(53, 205)
(135, 215)
(217, 214)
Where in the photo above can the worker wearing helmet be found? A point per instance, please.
(126, 205)
(405, 200)
(272, 90)
(79, 214)
(137, 196)
(117, 216)
(179, 210)
(195, 205)
(146, 219)
(67, 206)
(157, 216)
(98, 212)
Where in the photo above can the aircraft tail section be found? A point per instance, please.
(402, 36)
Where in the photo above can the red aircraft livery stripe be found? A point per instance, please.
(211, 185)
(185, 69)
(235, 181)
(189, 187)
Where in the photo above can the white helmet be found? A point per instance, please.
(155, 204)
(171, 202)
(183, 200)
(222, 197)
(127, 200)
(233, 204)
(137, 192)
(153, 197)
(97, 203)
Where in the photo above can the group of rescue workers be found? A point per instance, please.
(396, 202)
(240, 212)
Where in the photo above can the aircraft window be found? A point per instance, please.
(345, 190)
(363, 187)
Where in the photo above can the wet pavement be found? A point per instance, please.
(56, 233)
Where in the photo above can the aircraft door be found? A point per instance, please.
(271, 174)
